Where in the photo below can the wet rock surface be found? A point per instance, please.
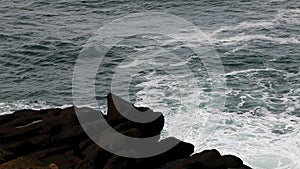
(54, 139)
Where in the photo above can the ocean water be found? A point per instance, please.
(259, 47)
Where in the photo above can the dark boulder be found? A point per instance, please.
(115, 104)
(179, 151)
(232, 161)
(209, 158)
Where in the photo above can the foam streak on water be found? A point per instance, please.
(10, 107)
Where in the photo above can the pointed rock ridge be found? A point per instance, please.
(127, 110)
(123, 112)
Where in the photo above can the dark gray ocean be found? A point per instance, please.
(258, 43)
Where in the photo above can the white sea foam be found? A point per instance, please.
(244, 38)
(239, 31)
(263, 142)
(252, 70)
(256, 142)
(262, 139)
(10, 107)
(244, 25)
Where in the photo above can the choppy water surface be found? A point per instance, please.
(258, 43)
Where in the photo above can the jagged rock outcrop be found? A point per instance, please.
(54, 139)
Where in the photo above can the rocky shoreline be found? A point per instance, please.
(54, 139)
